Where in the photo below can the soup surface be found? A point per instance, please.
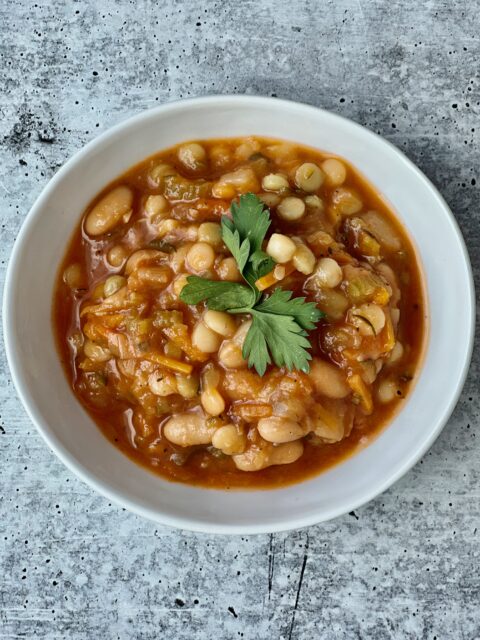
(178, 336)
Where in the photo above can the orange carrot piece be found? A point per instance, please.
(360, 389)
(275, 276)
(170, 363)
(389, 333)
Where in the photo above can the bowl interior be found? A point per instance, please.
(44, 391)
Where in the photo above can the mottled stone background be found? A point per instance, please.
(74, 566)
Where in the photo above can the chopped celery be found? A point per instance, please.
(366, 288)
(161, 245)
(138, 326)
(178, 188)
(163, 318)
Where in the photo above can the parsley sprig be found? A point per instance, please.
(278, 332)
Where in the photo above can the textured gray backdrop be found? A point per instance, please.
(74, 566)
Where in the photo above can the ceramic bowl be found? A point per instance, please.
(76, 440)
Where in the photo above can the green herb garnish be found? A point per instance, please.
(279, 327)
(219, 294)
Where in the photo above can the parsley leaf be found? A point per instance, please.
(219, 295)
(278, 332)
(244, 234)
(239, 249)
(280, 336)
(306, 314)
(251, 219)
(261, 264)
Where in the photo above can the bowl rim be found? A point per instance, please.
(102, 487)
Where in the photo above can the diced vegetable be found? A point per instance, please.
(274, 277)
(361, 392)
(170, 363)
(177, 188)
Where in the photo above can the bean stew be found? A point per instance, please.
(240, 313)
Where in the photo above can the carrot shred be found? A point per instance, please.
(360, 389)
(272, 278)
(389, 333)
(170, 363)
(381, 296)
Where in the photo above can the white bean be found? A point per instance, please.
(286, 453)
(328, 379)
(315, 203)
(187, 386)
(335, 171)
(281, 248)
(228, 270)
(270, 199)
(210, 232)
(161, 384)
(156, 277)
(192, 155)
(178, 257)
(200, 257)
(220, 322)
(309, 177)
(291, 208)
(387, 391)
(210, 376)
(229, 439)
(328, 273)
(346, 201)
(257, 458)
(204, 339)
(303, 259)
(369, 318)
(188, 429)
(241, 333)
(279, 430)
(155, 205)
(253, 459)
(160, 171)
(220, 155)
(109, 211)
(212, 401)
(241, 180)
(230, 355)
(275, 182)
(164, 226)
(117, 255)
(113, 284)
(74, 276)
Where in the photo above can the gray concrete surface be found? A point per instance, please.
(74, 566)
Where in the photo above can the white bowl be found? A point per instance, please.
(66, 427)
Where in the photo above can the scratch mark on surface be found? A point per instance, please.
(5, 188)
(360, 9)
(299, 588)
(271, 562)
